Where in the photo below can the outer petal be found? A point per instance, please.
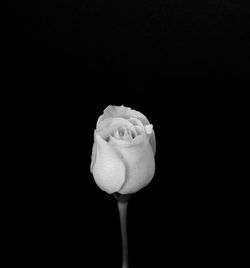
(93, 157)
(151, 136)
(153, 142)
(108, 169)
(122, 111)
(141, 166)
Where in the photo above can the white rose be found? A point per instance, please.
(123, 151)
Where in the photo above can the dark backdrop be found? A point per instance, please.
(185, 65)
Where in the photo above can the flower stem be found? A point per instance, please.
(122, 205)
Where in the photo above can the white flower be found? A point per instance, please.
(123, 151)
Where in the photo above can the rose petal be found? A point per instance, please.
(151, 136)
(153, 142)
(108, 169)
(109, 125)
(93, 157)
(118, 142)
(140, 166)
(138, 125)
(121, 111)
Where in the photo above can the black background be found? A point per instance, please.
(185, 65)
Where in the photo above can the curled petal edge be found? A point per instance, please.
(121, 111)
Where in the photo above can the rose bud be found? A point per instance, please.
(123, 151)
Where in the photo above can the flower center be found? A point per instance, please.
(122, 133)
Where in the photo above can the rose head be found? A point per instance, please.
(123, 151)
